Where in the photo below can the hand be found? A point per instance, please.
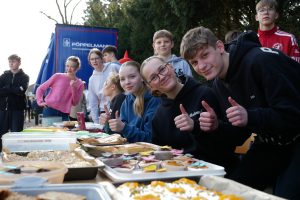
(43, 104)
(208, 120)
(183, 121)
(104, 117)
(237, 115)
(116, 125)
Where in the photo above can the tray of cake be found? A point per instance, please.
(81, 166)
(144, 162)
(209, 187)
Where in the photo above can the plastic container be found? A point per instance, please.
(48, 121)
(35, 141)
(55, 175)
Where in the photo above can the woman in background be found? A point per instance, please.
(65, 90)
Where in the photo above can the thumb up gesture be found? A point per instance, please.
(183, 121)
(116, 124)
(208, 120)
(237, 115)
(104, 117)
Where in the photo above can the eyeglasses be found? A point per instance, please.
(265, 9)
(162, 70)
(94, 59)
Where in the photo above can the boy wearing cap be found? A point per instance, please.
(258, 88)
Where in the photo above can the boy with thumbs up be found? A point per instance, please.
(175, 122)
(259, 90)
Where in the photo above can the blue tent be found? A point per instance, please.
(76, 41)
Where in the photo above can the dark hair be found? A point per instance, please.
(110, 49)
(14, 57)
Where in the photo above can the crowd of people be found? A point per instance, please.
(252, 87)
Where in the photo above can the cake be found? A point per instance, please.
(180, 189)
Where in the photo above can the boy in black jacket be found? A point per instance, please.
(259, 89)
(13, 85)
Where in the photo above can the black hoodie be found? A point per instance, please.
(12, 90)
(217, 147)
(267, 83)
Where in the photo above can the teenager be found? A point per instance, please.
(136, 113)
(96, 100)
(176, 120)
(13, 85)
(114, 91)
(259, 90)
(65, 90)
(269, 33)
(162, 46)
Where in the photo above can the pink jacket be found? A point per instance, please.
(61, 95)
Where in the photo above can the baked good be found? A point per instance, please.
(60, 196)
(180, 189)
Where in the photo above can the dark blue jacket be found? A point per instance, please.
(138, 129)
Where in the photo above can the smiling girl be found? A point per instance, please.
(138, 108)
(65, 90)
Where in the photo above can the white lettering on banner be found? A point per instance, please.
(89, 45)
(268, 50)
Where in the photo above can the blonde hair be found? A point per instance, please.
(196, 39)
(115, 79)
(76, 60)
(269, 3)
(162, 33)
(138, 104)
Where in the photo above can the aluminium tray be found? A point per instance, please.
(33, 186)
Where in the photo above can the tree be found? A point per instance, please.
(63, 9)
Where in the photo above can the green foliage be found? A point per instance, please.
(137, 20)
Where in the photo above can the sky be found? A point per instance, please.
(27, 32)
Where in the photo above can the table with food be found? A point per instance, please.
(63, 161)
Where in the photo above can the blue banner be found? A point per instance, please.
(73, 40)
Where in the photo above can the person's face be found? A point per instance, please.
(71, 67)
(209, 63)
(130, 79)
(266, 16)
(162, 46)
(108, 88)
(14, 64)
(96, 61)
(107, 57)
(160, 76)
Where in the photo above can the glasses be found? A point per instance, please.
(162, 70)
(95, 59)
(265, 9)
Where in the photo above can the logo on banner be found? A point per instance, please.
(66, 42)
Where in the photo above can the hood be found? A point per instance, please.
(174, 59)
(9, 72)
(105, 66)
(189, 84)
(238, 49)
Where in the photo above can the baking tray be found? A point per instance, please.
(80, 173)
(33, 186)
(139, 175)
